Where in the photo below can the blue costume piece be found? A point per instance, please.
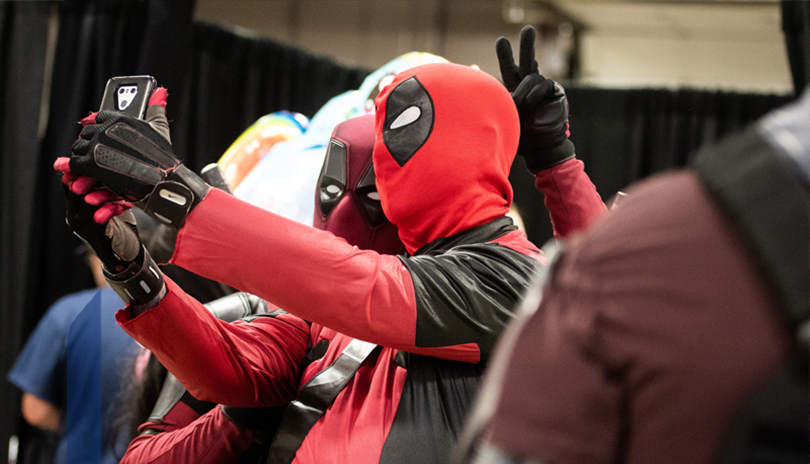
(42, 367)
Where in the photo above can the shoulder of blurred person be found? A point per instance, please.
(661, 322)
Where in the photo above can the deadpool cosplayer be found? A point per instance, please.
(445, 138)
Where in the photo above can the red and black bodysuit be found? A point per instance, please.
(446, 136)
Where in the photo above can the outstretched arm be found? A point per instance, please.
(184, 436)
(360, 293)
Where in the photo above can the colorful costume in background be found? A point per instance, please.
(282, 179)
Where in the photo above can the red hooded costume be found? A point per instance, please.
(446, 136)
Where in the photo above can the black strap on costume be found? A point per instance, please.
(768, 203)
(172, 393)
(314, 399)
(238, 306)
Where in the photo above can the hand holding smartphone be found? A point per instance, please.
(128, 94)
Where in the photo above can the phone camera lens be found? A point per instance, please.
(121, 91)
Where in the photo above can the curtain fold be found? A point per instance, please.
(235, 79)
(23, 45)
(625, 135)
(796, 27)
(96, 40)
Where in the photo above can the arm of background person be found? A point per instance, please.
(40, 413)
(185, 436)
(244, 364)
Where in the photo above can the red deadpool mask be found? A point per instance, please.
(346, 201)
(446, 137)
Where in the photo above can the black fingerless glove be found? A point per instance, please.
(116, 243)
(127, 265)
(133, 159)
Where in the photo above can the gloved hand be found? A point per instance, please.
(541, 104)
(127, 265)
(134, 159)
(116, 243)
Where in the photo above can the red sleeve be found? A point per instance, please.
(571, 198)
(306, 271)
(211, 438)
(242, 364)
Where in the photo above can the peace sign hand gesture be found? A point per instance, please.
(541, 104)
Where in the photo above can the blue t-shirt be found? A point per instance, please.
(42, 367)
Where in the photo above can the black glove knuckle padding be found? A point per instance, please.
(532, 91)
(80, 147)
(125, 154)
(540, 93)
(103, 117)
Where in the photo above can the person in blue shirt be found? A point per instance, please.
(101, 348)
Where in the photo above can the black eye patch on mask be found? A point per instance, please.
(332, 181)
(369, 198)
(408, 120)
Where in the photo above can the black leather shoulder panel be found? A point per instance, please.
(468, 294)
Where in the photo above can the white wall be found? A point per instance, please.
(627, 44)
(687, 44)
(371, 33)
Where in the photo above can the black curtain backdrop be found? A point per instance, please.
(23, 39)
(625, 135)
(219, 83)
(95, 41)
(233, 80)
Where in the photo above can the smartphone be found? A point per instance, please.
(128, 94)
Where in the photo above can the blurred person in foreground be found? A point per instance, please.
(675, 330)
